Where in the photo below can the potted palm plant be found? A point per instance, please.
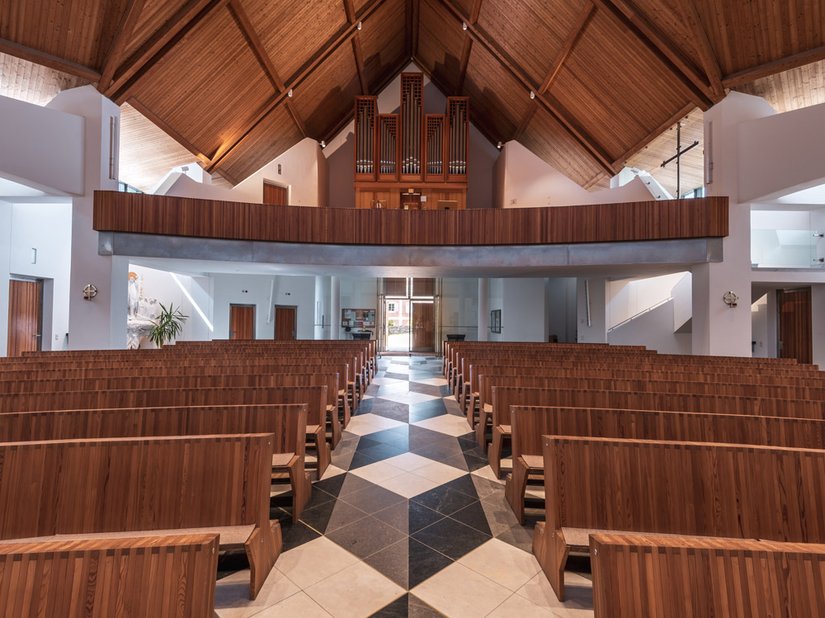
(167, 325)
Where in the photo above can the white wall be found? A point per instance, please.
(818, 324)
(255, 290)
(529, 182)
(46, 228)
(759, 327)
(629, 297)
(522, 303)
(42, 147)
(596, 332)
(654, 330)
(561, 308)
(459, 307)
(495, 300)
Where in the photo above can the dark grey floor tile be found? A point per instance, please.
(366, 537)
(380, 452)
(396, 516)
(451, 538)
(518, 537)
(486, 488)
(473, 516)
(392, 562)
(373, 499)
(474, 462)
(359, 459)
(396, 376)
(398, 436)
(426, 389)
(330, 516)
(425, 410)
(424, 562)
(444, 500)
(342, 484)
(464, 484)
(419, 609)
(420, 516)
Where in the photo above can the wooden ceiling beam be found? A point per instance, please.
(53, 62)
(159, 44)
(467, 49)
(558, 62)
(554, 108)
(633, 20)
(775, 66)
(703, 47)
(256, 45)
(124, 31)
(326, 50)
(412, 10)
(679, 115)
(357, 52)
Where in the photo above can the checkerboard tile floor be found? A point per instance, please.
(407, 521)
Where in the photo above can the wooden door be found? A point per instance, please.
(275, 195)
(795, 324)
(241, 321)
(423, 330)
(25, 317)
(285, 323)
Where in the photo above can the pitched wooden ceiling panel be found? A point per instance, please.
(531, 32)
(273, 136)
(546, 138)
(793, 89)
(668, 16)
(497, 101)
(292, 31)
(210, 88)
(749, 34)
(328, 94)
(466, 6)
(359, 5)
(154, 15)
(382, 41)
(80, 31)
(34, 83)
(617, 88)
(440, 44)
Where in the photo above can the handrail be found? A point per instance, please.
(641, 313)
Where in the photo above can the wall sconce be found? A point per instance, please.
(464, 26)
(532, 95)
(89, 292)
(730, 299)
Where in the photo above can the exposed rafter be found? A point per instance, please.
(777, 66)
(703, 47)
(553, 107)
(633, 20)
(53, 62)
(257, 47)
(124, 31)
(357, 52)
(558, 62)
(158, 45)
(323, 53)
(411, 17)
(472, 18)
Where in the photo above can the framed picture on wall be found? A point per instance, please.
(495, 321)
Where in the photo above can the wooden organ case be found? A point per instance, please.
(411, 160)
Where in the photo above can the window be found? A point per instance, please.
(390, 306)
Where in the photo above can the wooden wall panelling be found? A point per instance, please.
(162, 576)
(149, 214)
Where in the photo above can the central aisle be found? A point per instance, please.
(408, 521)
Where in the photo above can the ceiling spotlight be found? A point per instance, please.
(323, 144)
(464, 25)
(358, 26)
(532, 95)
(498, 145)
(289, 94)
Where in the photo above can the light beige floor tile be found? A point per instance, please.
(408, 461)
(332, 471)
(578, 590)
(232, 594)
(431, 381)
(297, 605)
(447, 424)
(408, 484)
(487, 473)
(439, 472)
(458, 591)
(377, 472)
(313, 561)
(358, 591)
(407, 398)
(504, 564)
(364, 424)
(519, 607)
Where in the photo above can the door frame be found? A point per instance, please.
(254, 318)
(40, 283)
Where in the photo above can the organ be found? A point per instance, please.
(411, 160)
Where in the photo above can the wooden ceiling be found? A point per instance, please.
(585, 84)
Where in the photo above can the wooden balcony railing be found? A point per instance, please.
(634, 221)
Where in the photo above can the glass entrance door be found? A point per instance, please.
(397, 324)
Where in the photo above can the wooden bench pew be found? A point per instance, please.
(161, 576)
(685, 488)
(506, 396)
(530, 423)
(286, 423)
(315, 397)
(65, 489)
(661, 576)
